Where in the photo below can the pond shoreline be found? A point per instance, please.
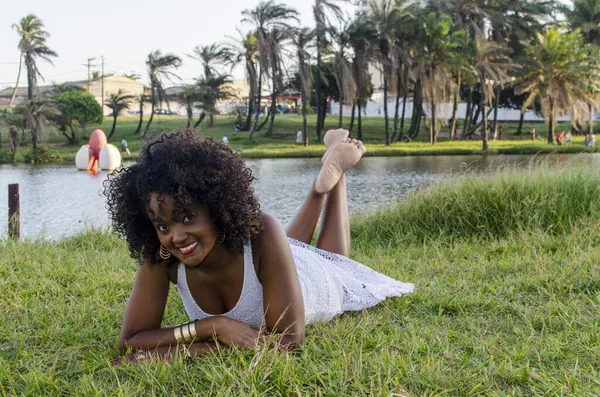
(456, 148)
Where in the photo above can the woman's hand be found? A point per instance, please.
(234, 333)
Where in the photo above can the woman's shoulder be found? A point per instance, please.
(269, 238)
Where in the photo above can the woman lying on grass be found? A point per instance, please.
(187, 211)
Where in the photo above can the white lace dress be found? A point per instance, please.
(331, 284)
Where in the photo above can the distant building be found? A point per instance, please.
(112, 84)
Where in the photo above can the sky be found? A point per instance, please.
(124, 32)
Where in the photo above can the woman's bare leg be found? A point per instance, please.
(302, 227)
(334, 234)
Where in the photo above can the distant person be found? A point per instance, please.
(225, 141)
(592, 142)
(586, 140)
(568, 138)
(560, 138)
(124, 147)
(500, 132)
(533, 134)
(299, 139)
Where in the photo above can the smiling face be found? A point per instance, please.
(189, 235)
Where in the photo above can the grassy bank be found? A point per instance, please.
(506, 303)
(282, 143)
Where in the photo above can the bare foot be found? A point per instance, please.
(332, 138)
(341, 158)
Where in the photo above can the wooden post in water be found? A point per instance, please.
(14, 221)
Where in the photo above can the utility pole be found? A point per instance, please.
(89, 65)
(102, 86)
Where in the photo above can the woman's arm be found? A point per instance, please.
(143, 316)
(282, 297)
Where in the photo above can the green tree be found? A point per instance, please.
(80, 107)
(244, 53)
(267, 16)
(322, 9)
(117, 102)
(343, 66)
(385, 17)
(558, 70)
(32, 46)
(159, 67)
(302, 40)
(210, 91)
(362, 35)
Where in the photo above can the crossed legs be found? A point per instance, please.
(328, 197)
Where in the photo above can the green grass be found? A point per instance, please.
(282, 144)
(506, 304)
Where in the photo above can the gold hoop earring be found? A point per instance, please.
(164, 253)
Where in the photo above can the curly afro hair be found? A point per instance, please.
(189, 169)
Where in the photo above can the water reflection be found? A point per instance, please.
(59, 200)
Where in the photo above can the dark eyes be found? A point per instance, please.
(186, 220)
(162, 228)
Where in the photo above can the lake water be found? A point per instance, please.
(59, 200)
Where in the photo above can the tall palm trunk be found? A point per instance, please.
(200, 119)
(352, 117)
(259, 97)
(318, 85)
(114, 126)
(250, 108)
(397, 108)
(551, 122)
(139, 127)
(31, 79)
(273, 105)
(496, 102)
(485, 117)
(520, 127)
(385, 111)
(304, 128)
(341, 121)
(468, 113)
(359, 135)
(452, 133)
(591, 113)
(400, 135)
(149, 120)
(324, 112)
(12, 98)
(189, 112)
(432, 129)
(211, 119)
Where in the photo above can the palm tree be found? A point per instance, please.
(276, 39)
(342, 70)
(362, 35)
(32, 45)
(558, 70)
(209, 92)
(266, 16)
(210, 56)
(439, 48)
(385, 17)
(188, 96)
(244, 52)
(321, 9)
(159, 67)
(302, 39)
(117, 103)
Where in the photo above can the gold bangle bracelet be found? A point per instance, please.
(178, 334)
(185, 331)
(193, 330)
